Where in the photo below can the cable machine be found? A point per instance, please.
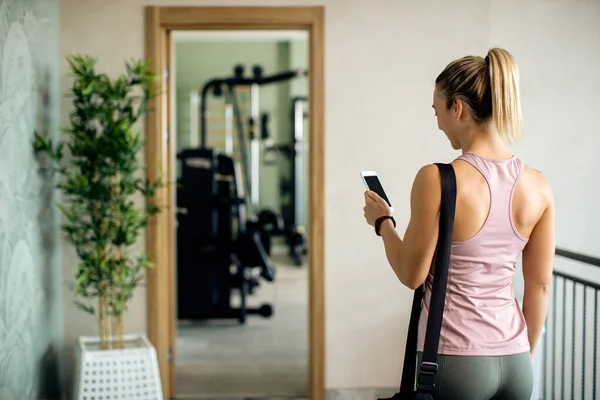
(267, 221)
(222, 239)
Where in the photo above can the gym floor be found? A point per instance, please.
(266, 358)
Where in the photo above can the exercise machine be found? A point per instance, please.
(220, 242)
(217, 252)
(267, 221)
(251, 161)
(292, 226)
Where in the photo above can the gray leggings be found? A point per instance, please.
(483, 378)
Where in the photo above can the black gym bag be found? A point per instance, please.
(425, 388)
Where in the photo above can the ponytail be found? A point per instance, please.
(489, 88)
(506, 102)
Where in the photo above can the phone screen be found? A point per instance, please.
(374, 185)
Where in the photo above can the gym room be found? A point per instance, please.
(240, 103)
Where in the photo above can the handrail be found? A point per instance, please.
(585, 282)
(571, 291)
(577, 257)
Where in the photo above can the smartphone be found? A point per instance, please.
(372, 182)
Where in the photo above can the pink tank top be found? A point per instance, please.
(481, 313)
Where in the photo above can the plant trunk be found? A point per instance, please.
(118, 329)
(121, 330)
(108, 333)
(104, 286)
(114, 343)
(103, 321)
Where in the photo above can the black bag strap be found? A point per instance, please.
(428, 367)
(407, 384)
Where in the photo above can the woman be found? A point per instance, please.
(503, 210)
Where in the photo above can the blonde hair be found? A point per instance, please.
(489, 88)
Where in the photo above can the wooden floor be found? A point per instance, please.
(266, 358)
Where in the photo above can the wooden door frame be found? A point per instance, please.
(160, 234)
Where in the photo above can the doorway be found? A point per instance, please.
(241, 95)
(161, 150)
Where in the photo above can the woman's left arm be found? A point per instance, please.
(411, 258)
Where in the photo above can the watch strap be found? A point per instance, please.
(380, 220)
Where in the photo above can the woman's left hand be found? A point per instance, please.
(375, 207)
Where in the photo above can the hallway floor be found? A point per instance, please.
(264, 358)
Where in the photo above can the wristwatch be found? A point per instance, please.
(378, 222)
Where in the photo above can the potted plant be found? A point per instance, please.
(100, 177)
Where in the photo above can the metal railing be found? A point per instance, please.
(570, 348)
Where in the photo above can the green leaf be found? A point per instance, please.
(84, 307)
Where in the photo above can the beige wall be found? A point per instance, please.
(381, 60)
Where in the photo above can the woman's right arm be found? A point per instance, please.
(538, 262)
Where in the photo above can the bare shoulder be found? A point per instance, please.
(427, 185)
(428, 179)
(428, 173)
(536, 180)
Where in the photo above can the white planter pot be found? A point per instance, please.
(117, 374)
